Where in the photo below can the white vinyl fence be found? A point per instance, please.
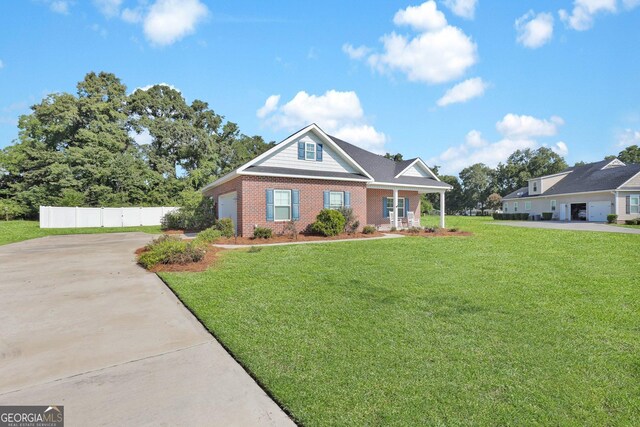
(56, 217)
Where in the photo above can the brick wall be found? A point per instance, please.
(375, 213)
(252, 210)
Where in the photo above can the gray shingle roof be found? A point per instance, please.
(383, 169)
(589, 177)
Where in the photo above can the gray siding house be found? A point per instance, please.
(581, 193)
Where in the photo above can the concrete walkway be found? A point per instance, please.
(82, 326)
(573, 226)
(386, 236)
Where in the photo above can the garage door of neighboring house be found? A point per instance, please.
(598, 211)
(228, 207)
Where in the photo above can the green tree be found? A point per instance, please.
(395, 157)
(630, 155)
(477, 184)
(525, 164)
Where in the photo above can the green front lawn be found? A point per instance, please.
(17, 231)
(512, 326)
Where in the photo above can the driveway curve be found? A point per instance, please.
(81, 325)
(571, 226)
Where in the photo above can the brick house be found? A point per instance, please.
(310, 171)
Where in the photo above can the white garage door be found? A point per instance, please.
(598, 211)
(228, 207)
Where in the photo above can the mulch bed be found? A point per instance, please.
(209, 259)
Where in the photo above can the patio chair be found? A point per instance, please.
(411, 220)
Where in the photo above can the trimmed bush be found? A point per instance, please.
(612, 218)
(547, 216)
(170, 250)
(262, 233)
(225, 225)
(328, 223)
(368, 229)
(351, 223)
(414, 230)
(291, 229)
(635, 221)
(195, 213)
(208, 236)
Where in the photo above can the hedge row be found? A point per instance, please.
(511, 216)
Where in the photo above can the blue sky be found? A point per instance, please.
(453, 81)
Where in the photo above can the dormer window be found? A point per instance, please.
(310, 151)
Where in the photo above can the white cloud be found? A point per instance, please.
(170, 20)
(338, 113)
(1, 64)
(630, 4)
(519, 133)
(59, 6)
(438, 54)
(147, 87)
(560, 148)
(463, 8)
(628, 137)
(132, 16)
(534, 30)
(100, 30)
(270, 105)
(355, 52)
(581, 17)
(463, 92)
(425, 17)
(108, 8)
(514, 126)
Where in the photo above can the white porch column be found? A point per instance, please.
(395, 207)
(442, 209)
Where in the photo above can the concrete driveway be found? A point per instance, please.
(82, 326)
(573, 226)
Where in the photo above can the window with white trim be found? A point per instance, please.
(535, 186)
(336, 199)
(634, 204)
(309, 150)
(506, 207)
(515, 206)
(400, 206)
(282, 205)
(527, 206)
(554, 204)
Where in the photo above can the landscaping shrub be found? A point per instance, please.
(414, 230)
(393, 229)
(209, 235)
(635, 221)
(547, 216)
(170, 250)
(329, 222)
(262, 233)
(351, 222)
(225, 225)
(612, 218)
(291, 230)
(368, 229)
(454, 229)
(195, 213)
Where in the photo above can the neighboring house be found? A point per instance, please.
(581, 193)
(310, 171)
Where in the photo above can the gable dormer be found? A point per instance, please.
(418, 169)
(615, 163)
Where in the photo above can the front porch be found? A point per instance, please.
(384, 201)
